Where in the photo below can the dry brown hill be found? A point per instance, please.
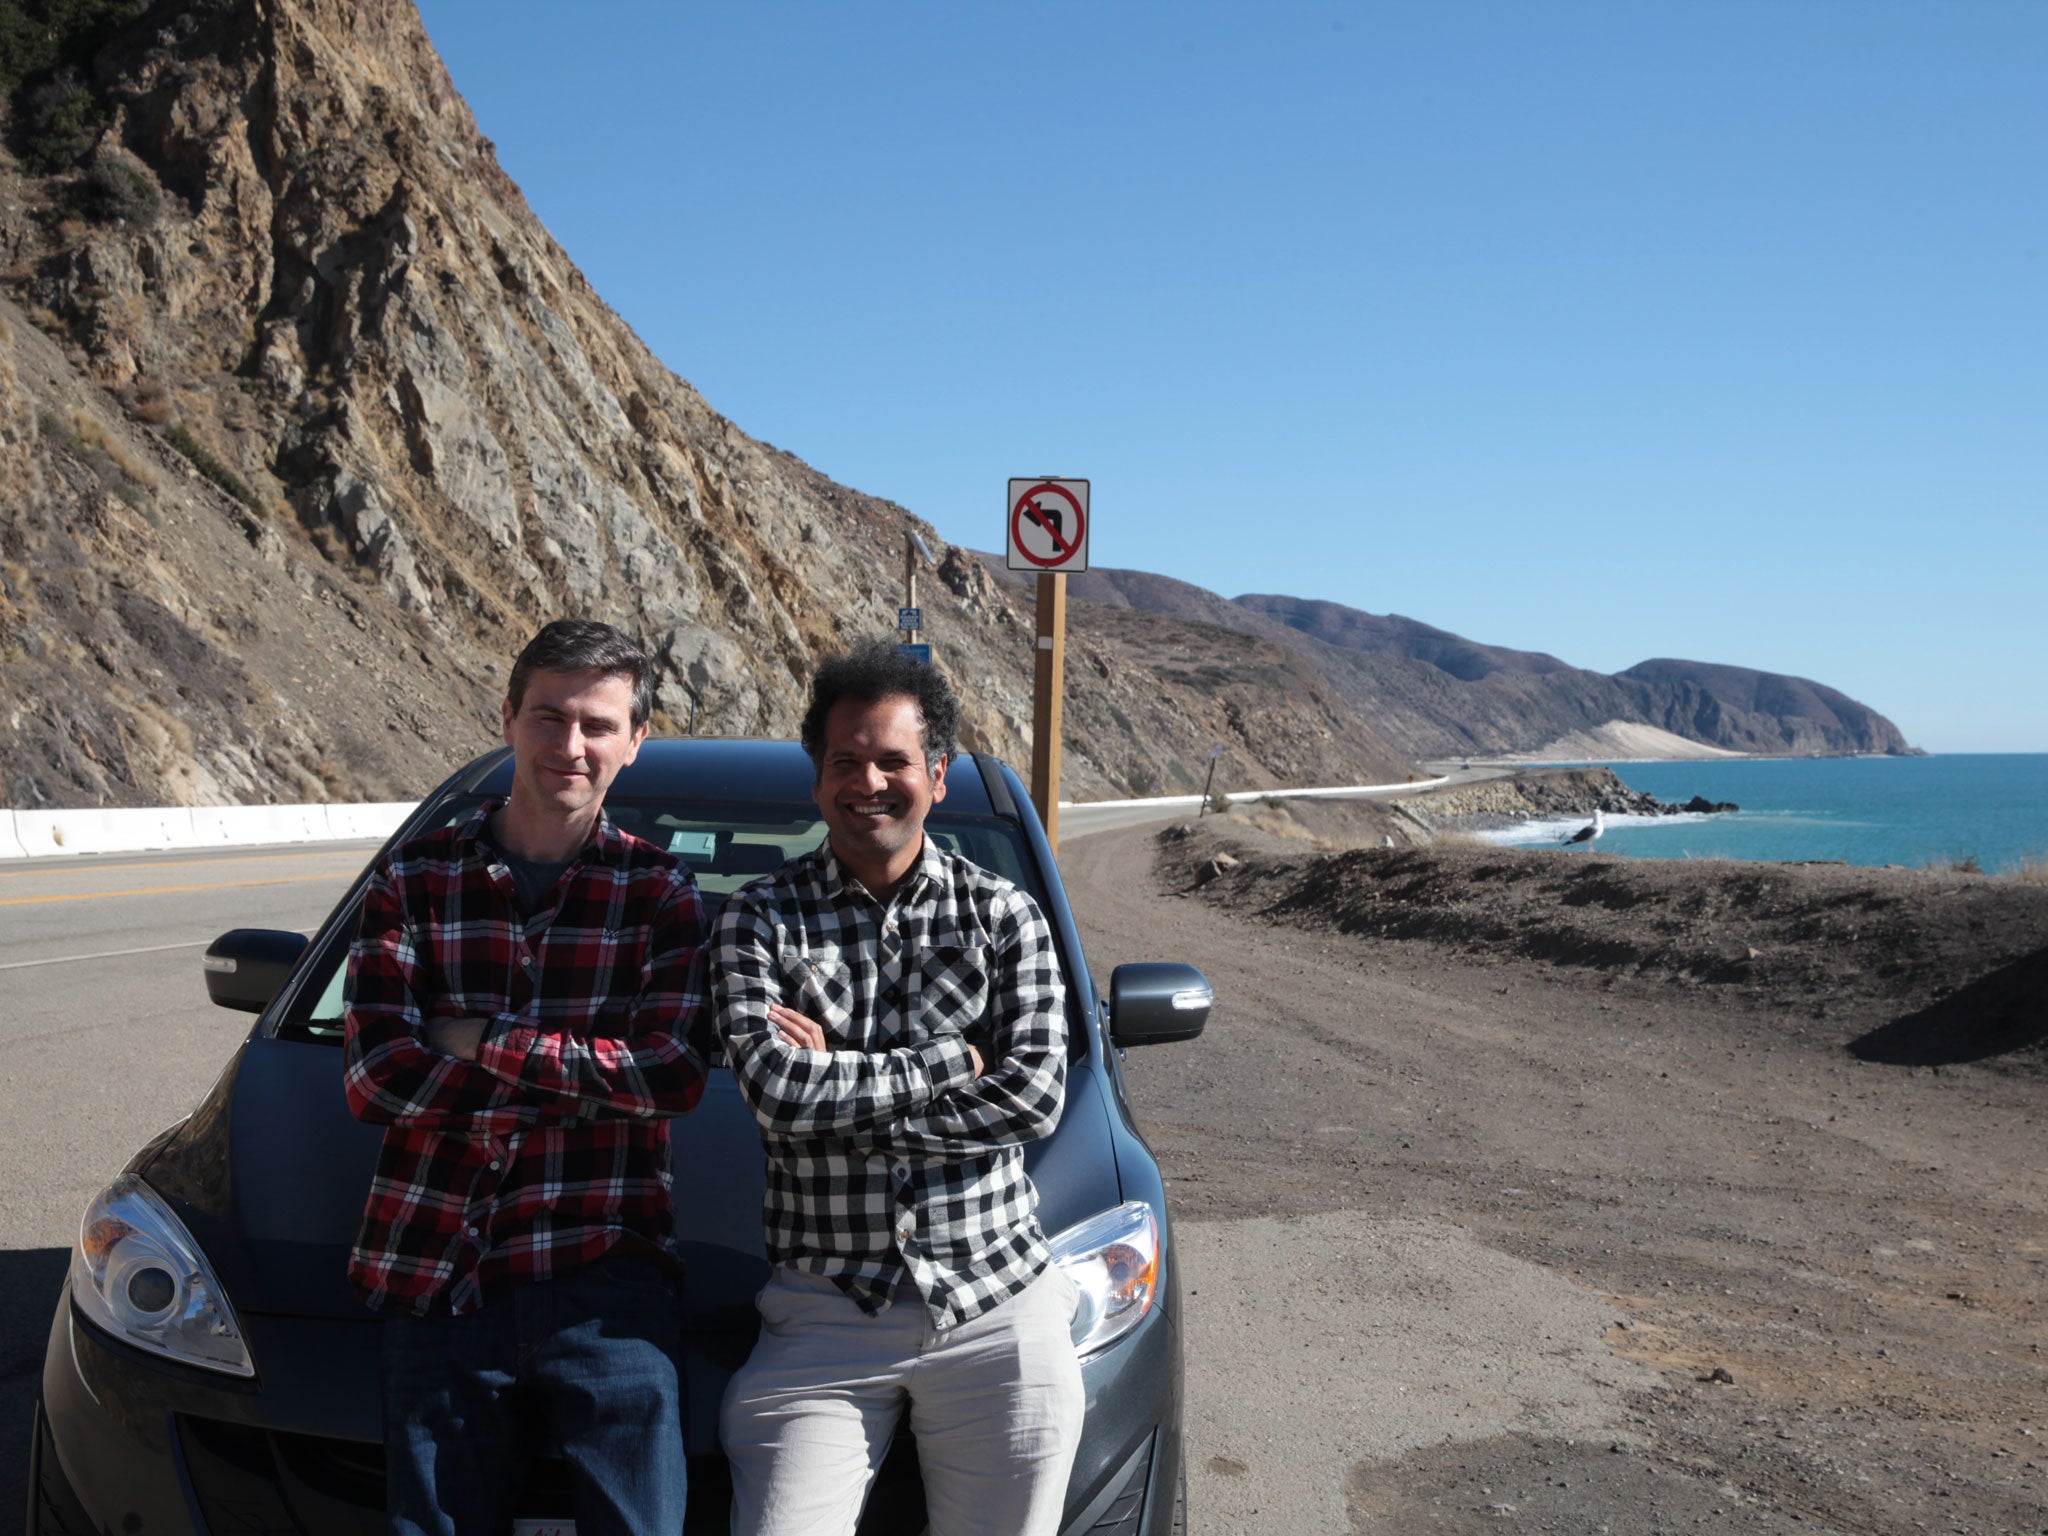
(1438, 695)
(305, 422)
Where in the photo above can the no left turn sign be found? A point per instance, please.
(1048, 525)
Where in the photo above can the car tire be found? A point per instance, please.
(53, 1509)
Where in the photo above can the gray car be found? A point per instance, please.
(209, 1369)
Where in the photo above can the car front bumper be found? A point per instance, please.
(147, 1445)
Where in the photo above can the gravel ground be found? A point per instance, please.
(1567, 1193)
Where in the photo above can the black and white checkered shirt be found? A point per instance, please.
(889, 1162)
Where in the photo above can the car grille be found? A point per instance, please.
(1126, 1513)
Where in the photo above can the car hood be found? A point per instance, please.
(270, 1173)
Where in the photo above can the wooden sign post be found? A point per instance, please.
(1048, 533)
(1048, 697)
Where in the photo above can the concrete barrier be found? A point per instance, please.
(365, 821)
(37, 834)
(218, 825)
(110, 831)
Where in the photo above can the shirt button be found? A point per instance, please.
(903, 1236)
(470, 1230)
(893, 996)
(494, 1162)
(526, 962)
(902, 1170)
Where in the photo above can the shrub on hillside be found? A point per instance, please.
(46, 54)
(38, 37)
(112, 190)
(211, 467)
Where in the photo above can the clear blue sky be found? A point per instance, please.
(1610, 330)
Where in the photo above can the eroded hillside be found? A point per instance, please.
(307, 421)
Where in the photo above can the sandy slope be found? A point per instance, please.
(1385, 1146)
(1623, 741)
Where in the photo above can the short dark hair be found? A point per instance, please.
(585, 645)
(875, 670)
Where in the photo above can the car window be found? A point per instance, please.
(724, 845)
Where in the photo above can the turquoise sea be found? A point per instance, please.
(1861, 810)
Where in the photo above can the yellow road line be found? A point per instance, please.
(158, 890)
(66, 866)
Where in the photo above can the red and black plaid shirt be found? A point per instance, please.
(549, 1150)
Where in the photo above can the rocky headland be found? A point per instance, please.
(1437, 695)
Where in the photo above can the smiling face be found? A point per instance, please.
(570, 736)
(875, 789)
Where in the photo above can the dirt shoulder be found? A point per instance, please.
(1815, 1169)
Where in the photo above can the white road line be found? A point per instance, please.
(105, 954)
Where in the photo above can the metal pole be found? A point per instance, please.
(910, 572)
(1211, 779)
(1047, 690)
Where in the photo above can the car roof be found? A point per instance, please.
(725, 768)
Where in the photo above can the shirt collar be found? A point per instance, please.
(929, 868)
(607, 845)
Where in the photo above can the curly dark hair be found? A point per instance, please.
(584, 645)
(875, 670)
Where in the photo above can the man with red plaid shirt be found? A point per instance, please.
(520, 997)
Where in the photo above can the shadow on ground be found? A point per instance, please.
(31, 1279)
(2003, 1013)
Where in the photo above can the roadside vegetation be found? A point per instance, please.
(2028, 869)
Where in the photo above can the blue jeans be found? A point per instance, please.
(591, 1358)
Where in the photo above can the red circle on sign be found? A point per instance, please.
(1067, 547)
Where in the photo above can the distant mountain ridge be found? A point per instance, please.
(1435, 694)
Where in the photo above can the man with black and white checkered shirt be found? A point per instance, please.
(896, 1018)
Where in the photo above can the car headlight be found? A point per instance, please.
(1114, 1259)
(137, 1274)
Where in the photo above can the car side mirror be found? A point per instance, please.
(247, 967)
(1154, 1003)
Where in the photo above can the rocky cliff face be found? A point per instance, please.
(306, 423)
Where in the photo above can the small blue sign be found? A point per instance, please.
(910, 618)
(922, 654)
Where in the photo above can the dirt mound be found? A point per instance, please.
(1944, 967)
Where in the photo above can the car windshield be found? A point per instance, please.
(725, 846)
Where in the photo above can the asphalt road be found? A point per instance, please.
(1113, 815)
(107, 1036)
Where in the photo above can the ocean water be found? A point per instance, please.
(1861, 810)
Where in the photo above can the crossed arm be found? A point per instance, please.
(943, 1098)
(514, 1071)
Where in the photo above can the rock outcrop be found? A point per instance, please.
(306, 422)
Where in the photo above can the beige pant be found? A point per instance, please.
(995, 1405)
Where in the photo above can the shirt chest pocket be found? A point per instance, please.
(953, 989)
